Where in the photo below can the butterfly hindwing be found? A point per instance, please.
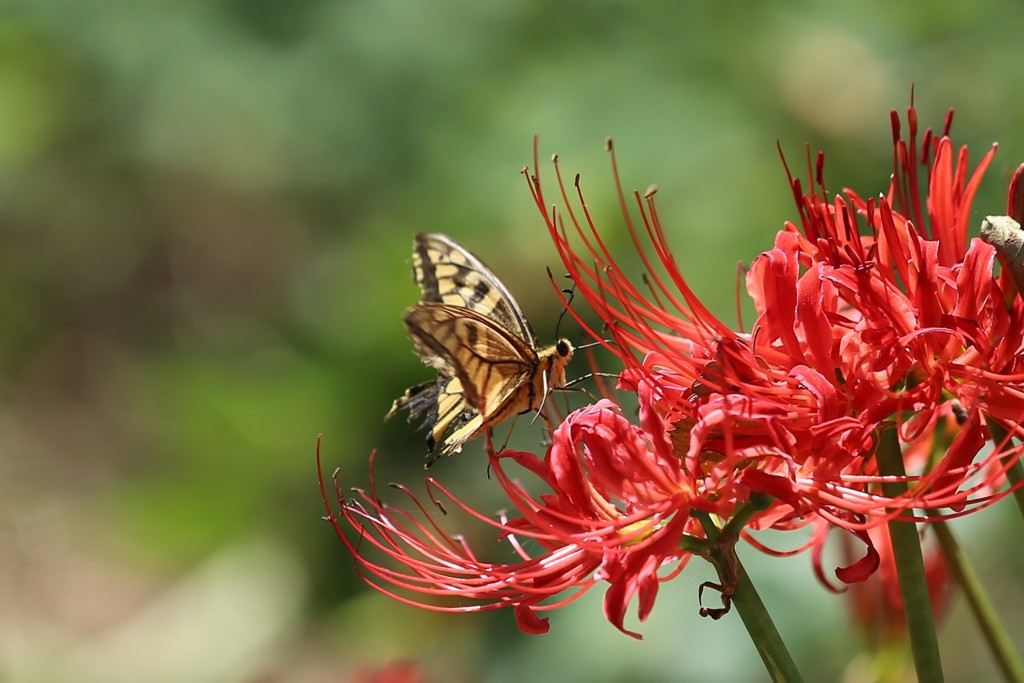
(442, 406)
(448, 274)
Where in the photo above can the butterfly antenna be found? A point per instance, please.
(569, 293)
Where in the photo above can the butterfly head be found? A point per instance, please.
(564, 349)
(558, 356)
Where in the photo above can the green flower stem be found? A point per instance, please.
(742, 515)
(1016, 471)
(906, 547)
(776, 658)
(995, 635)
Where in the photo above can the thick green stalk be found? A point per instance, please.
(759, 625)
(1015, 473)
(776, 658)
(906, 548)
(995, 635)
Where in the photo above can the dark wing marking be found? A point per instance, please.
(448, 274)
(441, 405)
(490, 362)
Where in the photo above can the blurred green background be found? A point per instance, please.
(206, 213)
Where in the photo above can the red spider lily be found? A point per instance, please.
(871, 315)
(617, 511)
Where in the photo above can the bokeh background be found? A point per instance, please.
(206, 212)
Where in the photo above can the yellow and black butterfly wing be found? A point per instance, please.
(442, 405)
(448, 274)
(472, 332)
(489, 361)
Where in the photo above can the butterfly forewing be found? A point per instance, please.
(448, 274)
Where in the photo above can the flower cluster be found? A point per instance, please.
(617, 511)
(870, 314)
(876, 319)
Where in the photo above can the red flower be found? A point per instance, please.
(617, 511)
(871, 314)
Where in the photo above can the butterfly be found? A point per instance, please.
(470, 330)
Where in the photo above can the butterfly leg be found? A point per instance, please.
(508, 435)
(489, 442)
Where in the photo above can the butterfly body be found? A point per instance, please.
(471, 331)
